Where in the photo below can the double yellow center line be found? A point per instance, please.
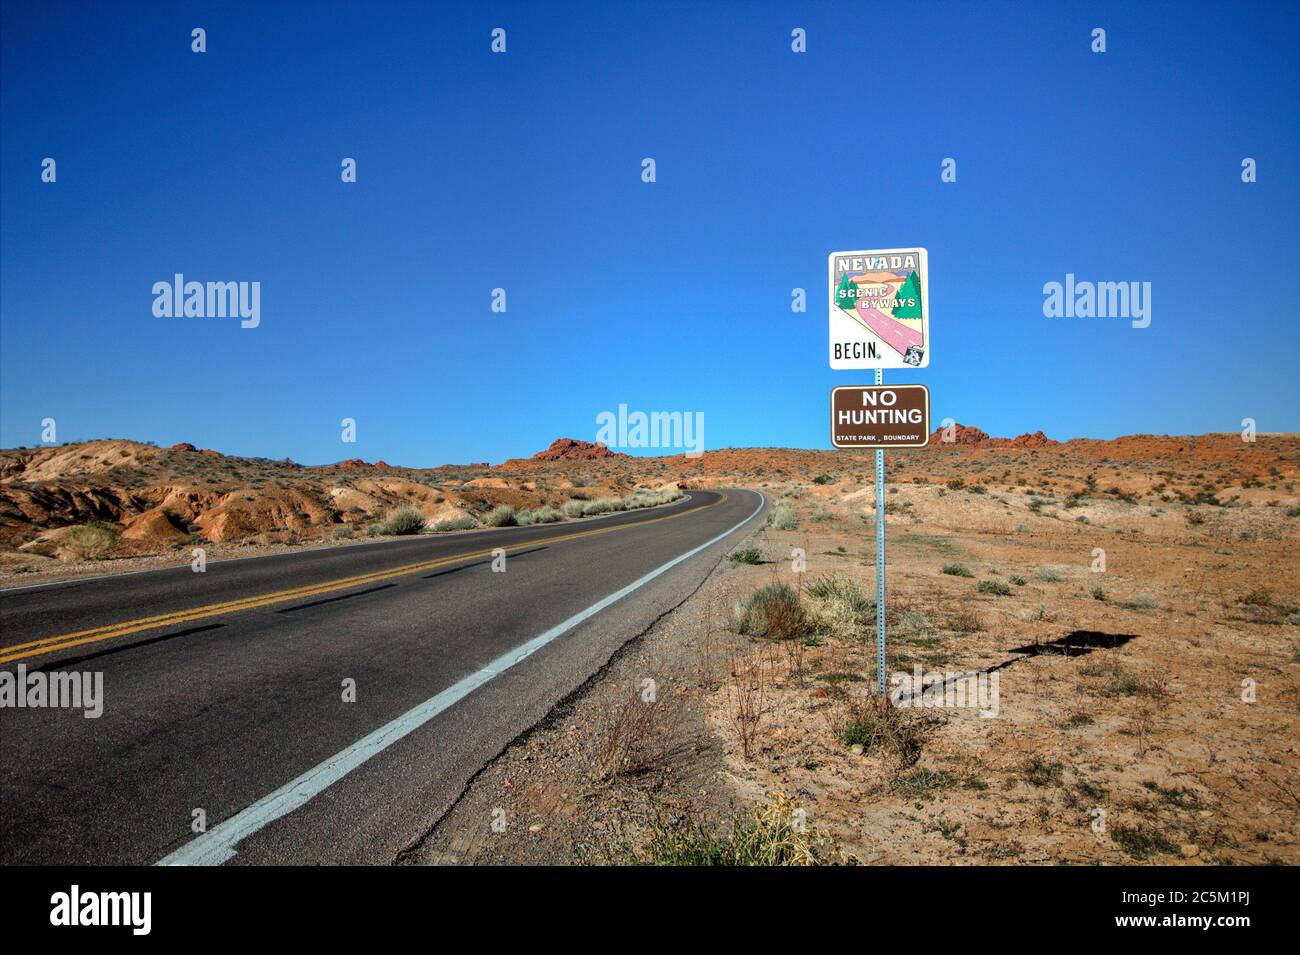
(63, 641)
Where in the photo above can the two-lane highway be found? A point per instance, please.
(326, 706)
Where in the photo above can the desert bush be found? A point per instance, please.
(1140, 843)
(767, 836)
(773, 611)
(1018, 580)
(403, 519)
(957, 570)
(503, 515)
(90, 541)
(464, 522)
(343, 531)
(749, 554)
(602, 505)
(574, 508)
(781, 517)
(1039, 771)
(547, 515)
(877, 725)
(841, 606)
(631, 738)
(995, 587)
(965, 620)
(1047, 574)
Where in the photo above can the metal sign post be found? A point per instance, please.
(879, 317)
(880, 559)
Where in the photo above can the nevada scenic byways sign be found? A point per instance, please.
(879, 309)
(880, 416)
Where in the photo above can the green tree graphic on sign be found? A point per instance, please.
(844, 295)
(911, 290)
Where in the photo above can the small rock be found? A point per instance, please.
(1190, 852)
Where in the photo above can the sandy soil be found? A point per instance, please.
(1146, 712)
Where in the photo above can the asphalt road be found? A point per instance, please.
(223, 692)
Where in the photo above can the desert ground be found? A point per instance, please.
(1137, 599)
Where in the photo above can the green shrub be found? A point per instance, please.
(574, 508)
(343, 531)
(403, 519)
(995, 587)
(781, 517)
(957, 570)
(91, 541)
(464, 522)
(749, 554)
(503, 515)
(547, 515)
(773, 611)
(1018, 580)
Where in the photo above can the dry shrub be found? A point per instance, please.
(775, 612)
(774, 834)
(878, 726)
(965, 620)
(751, 678)
(632, 738)
(90, 542)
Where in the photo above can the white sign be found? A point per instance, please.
(879, 309)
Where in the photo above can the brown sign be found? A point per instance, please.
(880, 416)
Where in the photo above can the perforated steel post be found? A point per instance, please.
(880, 559)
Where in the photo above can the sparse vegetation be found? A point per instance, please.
(994, 587)
(781, 517)
(773, 612)
(402, 520)
(462, 523)
(90, 541)
(876, 725)
(957, 570)
(503, 515)
(766, 836)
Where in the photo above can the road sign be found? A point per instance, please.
(879, 308)
(880, 416)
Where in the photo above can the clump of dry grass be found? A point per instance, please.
(840, 606)
(775, 612)
(878, 726)
(632, 738)
(90, 541)
(773, 834)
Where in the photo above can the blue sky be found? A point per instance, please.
(522, 171)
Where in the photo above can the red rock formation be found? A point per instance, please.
(570, 449)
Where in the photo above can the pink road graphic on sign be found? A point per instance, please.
(889, 330)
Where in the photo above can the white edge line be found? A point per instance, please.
(317, 548)
(218, 845)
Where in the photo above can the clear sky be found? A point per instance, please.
(523, 171)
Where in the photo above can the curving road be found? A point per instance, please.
(223, 691)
